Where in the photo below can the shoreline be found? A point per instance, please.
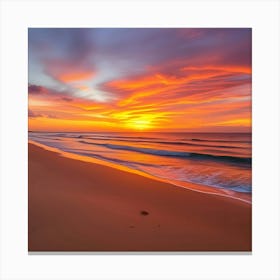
(82, 206)
(244, 197)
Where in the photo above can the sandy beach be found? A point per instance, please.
(81, 206)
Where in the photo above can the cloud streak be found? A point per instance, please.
(112, 79)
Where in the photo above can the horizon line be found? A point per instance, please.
(141, 131)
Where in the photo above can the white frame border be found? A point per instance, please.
(262, 16)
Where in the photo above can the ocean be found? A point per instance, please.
(215, 160)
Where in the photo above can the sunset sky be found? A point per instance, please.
(124, 79)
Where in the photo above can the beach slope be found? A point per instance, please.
(81, 206)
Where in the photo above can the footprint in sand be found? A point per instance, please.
(144, 213)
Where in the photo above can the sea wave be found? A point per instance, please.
(168, 153)
(180, 143)
(216, 140)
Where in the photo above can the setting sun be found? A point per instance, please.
(131, 91)
(140, 124)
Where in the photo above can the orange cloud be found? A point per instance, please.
(158, 79)
(190, 84)
(223, 68)
(193, 98)
(75, 76)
